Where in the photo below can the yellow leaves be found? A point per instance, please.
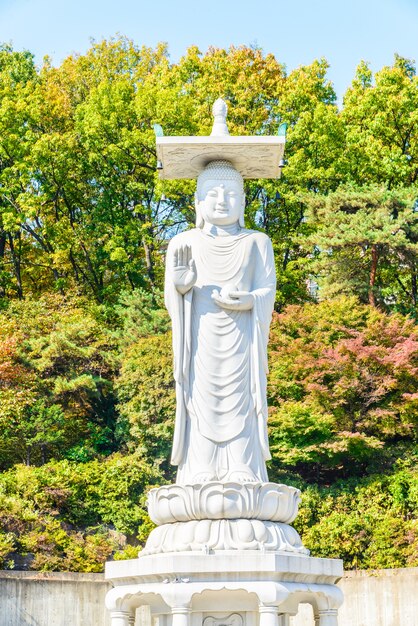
(7, 545)
(242, 75)
(82, 383)
(114, 246)
(119, 254)
(11, 221)
(13, 404)
(55, 98)
(60, 257)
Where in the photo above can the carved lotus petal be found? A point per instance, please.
(260, 531)
(214, 535)
(202, 532)
(260, 501)
(214, 505)
(245, 530)
(234, 503)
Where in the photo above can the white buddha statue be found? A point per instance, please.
(220, 290)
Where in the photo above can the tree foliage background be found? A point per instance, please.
(86, 390)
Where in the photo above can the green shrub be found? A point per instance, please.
(74, 516)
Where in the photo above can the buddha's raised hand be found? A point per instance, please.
(184, 269)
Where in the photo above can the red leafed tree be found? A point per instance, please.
(343, 387)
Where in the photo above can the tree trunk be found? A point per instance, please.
(2, 244)
(16, 267)
(149, 263)
(373, 272)
(414, 285)
(3, 240)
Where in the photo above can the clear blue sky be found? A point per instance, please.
(295, 31)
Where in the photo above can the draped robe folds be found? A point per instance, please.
(220, 356)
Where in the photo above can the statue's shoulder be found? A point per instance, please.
(187, 236)
(258, 237)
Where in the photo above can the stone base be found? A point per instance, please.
(213, 535)
(231, 588)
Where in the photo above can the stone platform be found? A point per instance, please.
(224, 554)
(225, 588)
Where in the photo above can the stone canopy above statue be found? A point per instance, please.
(253, 156)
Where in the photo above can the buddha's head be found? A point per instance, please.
(220, 198)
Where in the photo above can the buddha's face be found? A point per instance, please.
(221, 202)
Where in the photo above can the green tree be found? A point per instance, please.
(56, 395)
(381, 120)
(17, 80)
(84, 202)
(366, 243)
(147, 398)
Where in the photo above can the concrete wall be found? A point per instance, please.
(377, 598)
(52, 599)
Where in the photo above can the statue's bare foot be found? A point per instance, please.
(203, 477)
(242, 476)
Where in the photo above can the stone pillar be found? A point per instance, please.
(316, 619)
(180, 616)
(328, 617)
(131, 618)
(122, 618)
(284, 619)
(269, 616)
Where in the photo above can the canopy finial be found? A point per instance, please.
(219, 110)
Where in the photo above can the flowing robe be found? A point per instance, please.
(220, 356)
